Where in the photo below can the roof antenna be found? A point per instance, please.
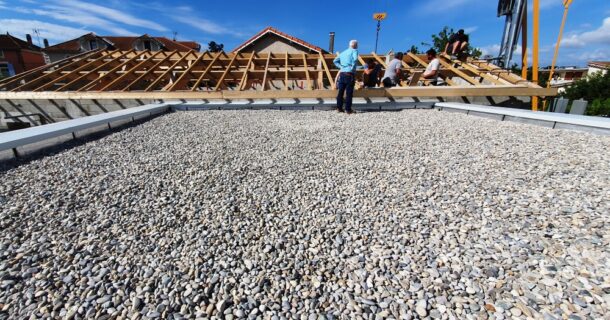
(175, 35)
(37, 32)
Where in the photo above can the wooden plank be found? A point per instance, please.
(170, 69)
(83, 76)
(333, 84)
(309, 84)
(224, 74)
(130, 71)
(13, 79)
(460, 73)
(266, 71)
(286, 73)
(186, 72)
(112, 71)
(244, 78)
(136, 80)
(59, 70)
(471, 91)
(206, 71)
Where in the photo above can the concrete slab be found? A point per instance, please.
(547, 119)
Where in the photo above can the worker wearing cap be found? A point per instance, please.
(346, 61)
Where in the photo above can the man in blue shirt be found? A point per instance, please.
(346, 62)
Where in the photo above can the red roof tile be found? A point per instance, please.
(9, 42)
(123, 43)
(281, 34)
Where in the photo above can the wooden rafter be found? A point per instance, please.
(77, 71)
(130, 71)
(206, 71)
(161, 71)
(93, 83)
(244, 78)
(330, 78)
(149, 71)
(168, 71)
(266, 71)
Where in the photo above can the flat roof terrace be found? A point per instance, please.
(298, 213)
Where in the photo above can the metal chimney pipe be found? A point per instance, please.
(29, 38)
(331, 45)
(46, 43)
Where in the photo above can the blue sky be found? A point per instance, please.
(587, 35)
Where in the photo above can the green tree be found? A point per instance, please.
(596, 89)
(414, 50)
(440, 40)
(215, 47)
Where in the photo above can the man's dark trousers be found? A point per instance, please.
(346, 86)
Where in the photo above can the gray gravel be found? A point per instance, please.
(311, 215)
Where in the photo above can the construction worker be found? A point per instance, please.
(432, 71)
(457, 45)
(392, 74)
(346, 62)
(372, 72)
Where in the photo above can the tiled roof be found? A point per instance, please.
(9, 42)
(123, 43)
(281, 34)
(600, 64)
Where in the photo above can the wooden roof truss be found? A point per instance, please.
(146, 71)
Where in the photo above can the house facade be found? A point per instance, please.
(273, 40)
(17, 56)
(598, 66)
(92, 41)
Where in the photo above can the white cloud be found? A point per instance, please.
(442, 5)
(599, 36)
(77, 17)
(586, 56)
(47, 30)
(469, 30)
(111, 14)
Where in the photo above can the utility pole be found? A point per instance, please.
(379, 17)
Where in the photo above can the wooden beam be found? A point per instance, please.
(83, 76)
(206, 71)
(309, 84)
(474, 70)
(286, 72)
(244, 78)
(266, 71)
(136, 80)
(6, 81)
(224, 74)
(186, 72)
(460, 73)
(93, 83)
(31, 83)
(170, 69)
(470, 91)
(130, 71)
(330, 78)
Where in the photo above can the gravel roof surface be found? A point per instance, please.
(275, 214)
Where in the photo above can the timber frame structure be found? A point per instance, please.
(133, 74)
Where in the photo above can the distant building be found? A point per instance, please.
(273, 40)
(598, 66)
(17, 56)
(91, 41)
(564, 76)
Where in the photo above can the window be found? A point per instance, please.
(147, 45)
(93, 44)
(1, 54)
(4, 72)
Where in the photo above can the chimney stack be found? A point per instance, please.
(331, 46)
(29, 38)
(46, 43)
